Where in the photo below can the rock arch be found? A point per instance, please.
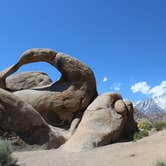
(42, 114)
(60, 101)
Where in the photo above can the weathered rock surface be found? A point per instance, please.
(20, 117)
(27, 80)
(61, 101)
(103, 122)
(131, 126)
(54, 114)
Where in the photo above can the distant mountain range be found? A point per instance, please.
(153, 108)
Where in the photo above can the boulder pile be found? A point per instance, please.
(67, 113)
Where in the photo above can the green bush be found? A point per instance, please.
(161, 163)
(160, 125)
(140, 134)
(145, 125)
(5, 154)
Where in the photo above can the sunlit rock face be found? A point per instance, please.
(20, 117)
(27, 80)
(106, 120)
(59, 102)
(67, 112)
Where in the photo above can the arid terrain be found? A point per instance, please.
(69, 117)
(144, 152)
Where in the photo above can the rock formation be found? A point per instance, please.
(57, 103)
(27, 80)
(52, 113)
(20, 117)
(103, 123)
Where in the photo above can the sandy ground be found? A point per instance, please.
(144, 152)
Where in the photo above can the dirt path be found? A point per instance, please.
(141, 153)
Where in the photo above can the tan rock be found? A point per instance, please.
(20, 117)
(62, 104)
(120, 107)
(61, 101)
(100, 124)
(27, 80)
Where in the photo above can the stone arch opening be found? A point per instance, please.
(32, 75)
(44, 67)
(28, 57)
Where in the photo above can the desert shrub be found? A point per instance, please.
(5, 154)
(161, 163)
(140, 134)
(145, 125)
(160, 125)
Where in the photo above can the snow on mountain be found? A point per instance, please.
(161, 101)
(155, 105)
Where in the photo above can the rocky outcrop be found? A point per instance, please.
(103, 122)
(20, 117)
(27, 80)
(66, 112)
(60, 102)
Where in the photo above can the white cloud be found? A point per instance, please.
(105, 79)
(116, 87)
(144, 88)
(159, 89)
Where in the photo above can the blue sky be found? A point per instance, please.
(123, 41)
